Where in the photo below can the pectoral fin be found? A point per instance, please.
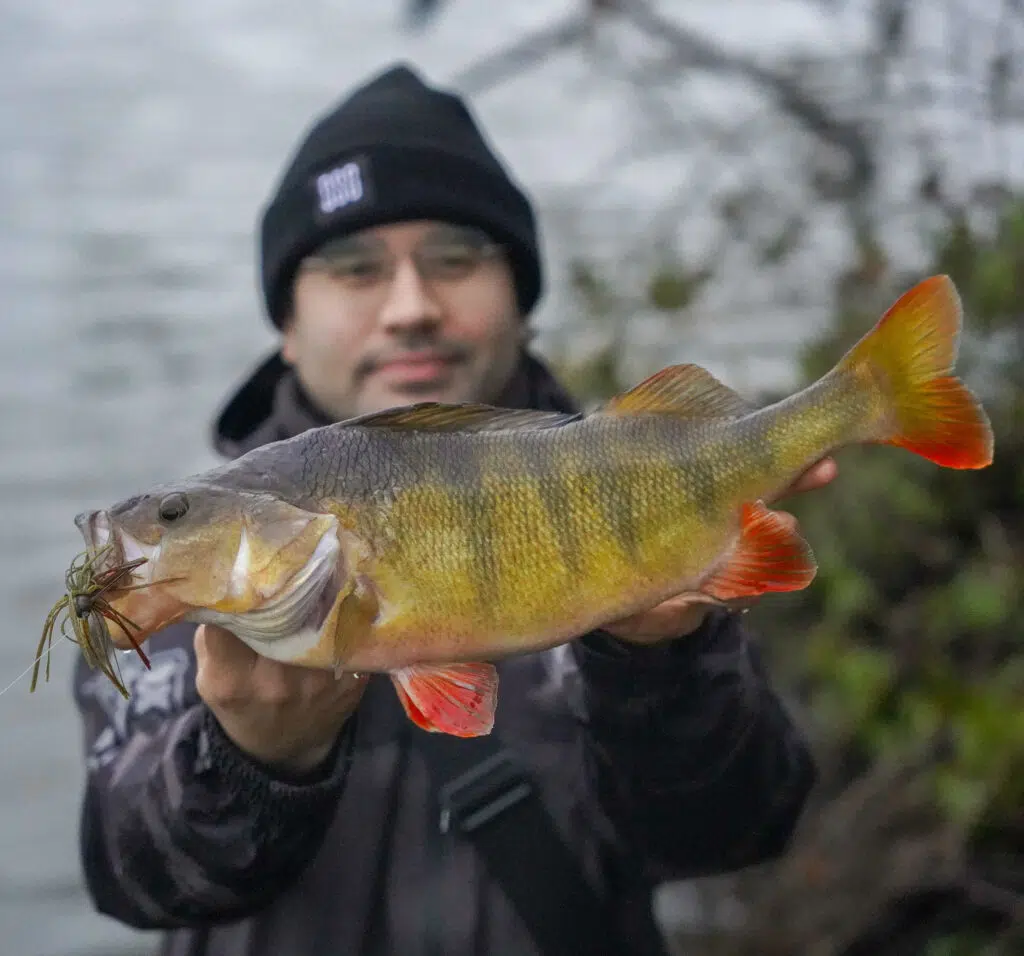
(457, 699)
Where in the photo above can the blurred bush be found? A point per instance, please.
(903, 657)
(906, 650)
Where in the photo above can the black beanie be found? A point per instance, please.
(393, 150)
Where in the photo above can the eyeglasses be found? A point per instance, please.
(362, 262)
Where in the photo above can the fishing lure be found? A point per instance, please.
(86, 609)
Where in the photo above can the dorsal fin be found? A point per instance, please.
(468, 417)
(683, 391)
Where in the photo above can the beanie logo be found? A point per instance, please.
(340, 187)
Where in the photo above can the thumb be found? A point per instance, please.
(222, 660)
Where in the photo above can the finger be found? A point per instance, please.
(666, 620)
(223, 664)
(277, 682)
(349, 689)
(341, 692)
(274, 683)
(347, 682)
(817, 476)
(223, 648)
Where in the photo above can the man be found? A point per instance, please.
(251, 807)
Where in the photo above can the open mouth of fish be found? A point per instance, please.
(119, 548)
(297, 608)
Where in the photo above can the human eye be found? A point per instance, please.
(450, 262)
(353, 261)
(454, 254)
(358, 268)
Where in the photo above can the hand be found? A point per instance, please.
(280, 714)
(684, 614)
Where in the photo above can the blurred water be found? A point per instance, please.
(137, 141)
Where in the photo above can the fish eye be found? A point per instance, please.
(173, 506)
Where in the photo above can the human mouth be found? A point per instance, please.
(416, 368)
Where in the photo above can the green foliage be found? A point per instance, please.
(911, 634)
(913, 629)
(593, 291)
(673, 287)
(990, 274)
(967, 944)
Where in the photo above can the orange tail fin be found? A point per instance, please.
(909, 356)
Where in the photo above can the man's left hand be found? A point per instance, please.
(684, 614)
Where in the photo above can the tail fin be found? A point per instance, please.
(909, 356)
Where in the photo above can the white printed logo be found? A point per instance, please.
(340, 187)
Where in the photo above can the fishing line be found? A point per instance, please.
(28, 669)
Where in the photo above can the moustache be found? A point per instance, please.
(447, 352)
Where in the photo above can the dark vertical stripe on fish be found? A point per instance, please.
(701, 486)
(556, 496)
(618, 491)
(467, 471)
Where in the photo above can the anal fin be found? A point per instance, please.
(456, 699)
(769, 556)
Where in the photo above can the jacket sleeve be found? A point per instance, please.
(180, 828)
(696, 762)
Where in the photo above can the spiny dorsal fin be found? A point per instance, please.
(683, 391)
(441, 417)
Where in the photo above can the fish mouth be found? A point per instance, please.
(117, 546)
(140, 610)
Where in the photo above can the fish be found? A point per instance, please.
(429, 541)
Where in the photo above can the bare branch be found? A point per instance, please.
(525, 53)
(690, 50)
(695, 51)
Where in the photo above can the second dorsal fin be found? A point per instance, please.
(683, 391)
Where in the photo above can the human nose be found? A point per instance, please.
(410, 302)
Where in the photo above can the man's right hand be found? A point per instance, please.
(282, 715)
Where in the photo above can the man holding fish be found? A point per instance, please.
(332, 768)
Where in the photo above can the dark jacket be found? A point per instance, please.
(655, 764)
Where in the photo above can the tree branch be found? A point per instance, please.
(520, 56)
(694, 51)
(689, 50)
